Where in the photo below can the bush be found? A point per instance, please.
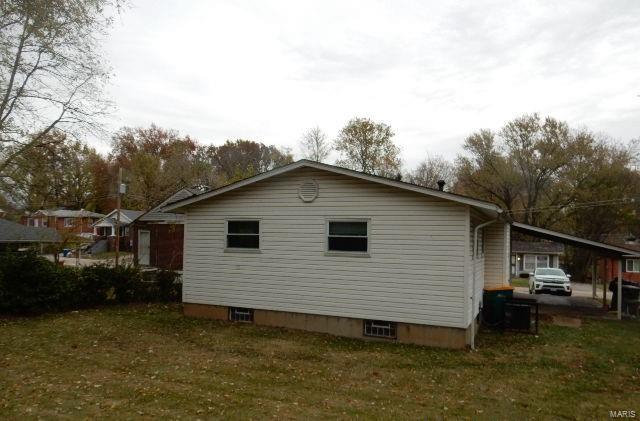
(30, 284)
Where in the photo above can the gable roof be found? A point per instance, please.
(69, 213)
(11, 232)
(156, 214)
(480, 204)
(128, 214)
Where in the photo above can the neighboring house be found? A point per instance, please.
(158, 237)
(105, 228)
(14, 235)
(527, 256)
(608, 268)
(79, 222)
(323, 248)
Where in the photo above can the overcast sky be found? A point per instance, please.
(435, 71)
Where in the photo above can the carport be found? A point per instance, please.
(599, 249)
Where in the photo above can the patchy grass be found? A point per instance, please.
(151, 361)
(110, 255)
(520, 282)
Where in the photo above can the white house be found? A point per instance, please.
(322, 248)
(527, 256)
(106, 226)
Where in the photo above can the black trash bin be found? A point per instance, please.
(493, 302)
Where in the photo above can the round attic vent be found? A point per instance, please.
(308, 190)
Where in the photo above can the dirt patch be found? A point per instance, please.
(566, 321)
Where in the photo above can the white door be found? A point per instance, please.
(144, 240)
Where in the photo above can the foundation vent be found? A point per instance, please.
(308, 190)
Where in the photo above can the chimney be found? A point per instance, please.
(441, 184)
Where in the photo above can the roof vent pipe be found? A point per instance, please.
(441, 184)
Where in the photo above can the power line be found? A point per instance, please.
(579, 205)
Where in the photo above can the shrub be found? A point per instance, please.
(30, 284)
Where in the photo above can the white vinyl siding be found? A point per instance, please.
(497, 241)
(414, 272)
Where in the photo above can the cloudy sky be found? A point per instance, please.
(435, 71)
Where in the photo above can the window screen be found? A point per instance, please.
(348, 236)
(243, 234)
(380, 329)
(238, 314)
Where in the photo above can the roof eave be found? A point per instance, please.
(492, 209)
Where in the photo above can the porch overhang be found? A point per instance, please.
(601, 249)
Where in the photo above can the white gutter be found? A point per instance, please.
(473, 283)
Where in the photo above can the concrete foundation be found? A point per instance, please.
(444, 337)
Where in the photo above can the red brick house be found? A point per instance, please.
(65, 221)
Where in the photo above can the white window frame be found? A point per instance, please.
(68, 225)
(546, 256)
(525, 260)
(328, 252)
(241, 249)
(634, 267)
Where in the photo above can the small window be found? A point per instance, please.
(380, 329)
(239, 314)
(633, 265)
(243, 234)
(68, 222)
(348, 236)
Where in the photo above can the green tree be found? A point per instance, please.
(367, 146)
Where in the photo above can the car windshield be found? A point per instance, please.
(550, 272)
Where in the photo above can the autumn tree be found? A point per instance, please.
(544, 173)
(238, 159)
(314, 145)
(367, 146)
(52, 73)
(55, 174)
(156, 162)
(433, 169)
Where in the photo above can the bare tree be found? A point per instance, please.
(432, 169)
(314, 145)
(51, 73)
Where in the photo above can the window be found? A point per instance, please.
(529, 262)
(243, 234)
(633, 265)
(239, 314)
(542, 261)
(380, 329)
(68, 222)
(349, 236)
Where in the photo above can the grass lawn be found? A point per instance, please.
(150, 361)
(520, 282)
(110, 255)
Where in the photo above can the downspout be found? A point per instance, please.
(473, 282)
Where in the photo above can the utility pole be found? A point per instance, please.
(119, 203)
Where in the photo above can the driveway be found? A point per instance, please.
(579, 290)
(580, 303)
(72, 261)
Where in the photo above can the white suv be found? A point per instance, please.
(549, 280)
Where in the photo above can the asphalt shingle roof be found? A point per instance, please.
(536, 247)
(11, 232)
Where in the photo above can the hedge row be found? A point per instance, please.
(30, 284)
